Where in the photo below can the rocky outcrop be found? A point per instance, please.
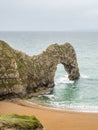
(14, 69)
(22, 75)
(19, 122)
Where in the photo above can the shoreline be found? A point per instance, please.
(83, 109)
(52, 119)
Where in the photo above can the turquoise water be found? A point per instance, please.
(81, 95)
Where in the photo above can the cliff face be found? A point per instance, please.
(21, 74)
(14, 68)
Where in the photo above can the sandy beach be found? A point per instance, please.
(54, 119)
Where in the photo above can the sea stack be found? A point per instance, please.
(22, 75)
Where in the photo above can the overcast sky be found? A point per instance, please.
(56, 15)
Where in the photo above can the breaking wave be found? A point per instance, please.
(84, 76)
(63, 80)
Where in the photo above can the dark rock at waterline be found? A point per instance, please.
(22, 75)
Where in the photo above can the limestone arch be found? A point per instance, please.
(23, 74)
(45, 69)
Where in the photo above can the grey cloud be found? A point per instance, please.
(48, 15)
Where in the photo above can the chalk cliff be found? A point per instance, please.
(22, 75)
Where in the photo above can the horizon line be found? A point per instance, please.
(48, 30)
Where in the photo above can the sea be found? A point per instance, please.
(79, 95)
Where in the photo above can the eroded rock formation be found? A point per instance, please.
(21, 74)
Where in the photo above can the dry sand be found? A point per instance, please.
(54, 119)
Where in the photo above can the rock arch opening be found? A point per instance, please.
(60, 74)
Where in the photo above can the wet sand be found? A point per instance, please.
(54, 119)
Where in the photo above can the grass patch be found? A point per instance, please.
(22, 122)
